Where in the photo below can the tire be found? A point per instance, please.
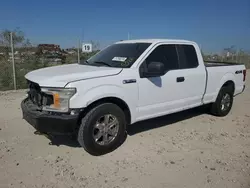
(216, 107)
(87, 128)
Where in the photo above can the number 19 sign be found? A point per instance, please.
(86, 47)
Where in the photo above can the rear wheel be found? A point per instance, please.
(102, 129)
(224, 102)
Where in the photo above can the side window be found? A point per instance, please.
(187, 56)
(166, 54)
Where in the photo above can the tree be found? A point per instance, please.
(95, 45)
(230, 49)
(17, 37)
(5, 41)
(23, 65)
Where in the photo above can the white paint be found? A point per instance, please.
(59, 76)
(217, 76)
(148, 97)
(163, 95)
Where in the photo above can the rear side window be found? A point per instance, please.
(187, 56)
(166, 54)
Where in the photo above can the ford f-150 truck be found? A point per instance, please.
(124, 83)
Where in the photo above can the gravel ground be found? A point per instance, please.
(188, 149)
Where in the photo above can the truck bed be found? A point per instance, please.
(219, 63)
(218, 73)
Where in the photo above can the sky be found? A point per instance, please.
(213, 24)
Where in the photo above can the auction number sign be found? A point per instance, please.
(86, 47)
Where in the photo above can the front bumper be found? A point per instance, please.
(48, 123)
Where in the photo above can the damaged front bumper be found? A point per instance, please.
(46, 122)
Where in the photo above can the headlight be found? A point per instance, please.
(61, 97)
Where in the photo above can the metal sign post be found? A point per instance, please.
(78, 52)
(13, 61)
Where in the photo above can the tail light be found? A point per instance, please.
(244, 75)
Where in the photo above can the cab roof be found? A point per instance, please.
(154, 41)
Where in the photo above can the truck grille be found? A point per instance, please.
(37, 97)
(35, 94)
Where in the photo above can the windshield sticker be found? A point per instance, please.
(130, 60)
(124, 64)
(121, 59)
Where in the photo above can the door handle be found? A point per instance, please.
(180, 79)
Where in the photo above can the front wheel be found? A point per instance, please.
(102, 129)
(223, 104)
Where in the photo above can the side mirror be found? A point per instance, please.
(154, 69)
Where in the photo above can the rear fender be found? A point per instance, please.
(227, 77)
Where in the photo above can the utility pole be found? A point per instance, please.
(78, 51)
(79, 46)
(13, 61)
(237, 54)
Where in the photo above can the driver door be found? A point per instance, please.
(160, 95)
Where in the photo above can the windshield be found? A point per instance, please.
(121, 55)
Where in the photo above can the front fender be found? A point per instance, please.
(84, 99)
(102, 92)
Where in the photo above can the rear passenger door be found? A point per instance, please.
(193, 84)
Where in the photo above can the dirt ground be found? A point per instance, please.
(190, 149)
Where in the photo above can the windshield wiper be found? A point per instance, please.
(102, 63)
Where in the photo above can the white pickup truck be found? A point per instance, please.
(127, 82)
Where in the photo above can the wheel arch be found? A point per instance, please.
(227, 87)
(229, 83)
(114, 100)
(227, 80)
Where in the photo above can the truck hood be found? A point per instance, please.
(60, 76)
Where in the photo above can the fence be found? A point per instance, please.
(16, 61)
(240, 57)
